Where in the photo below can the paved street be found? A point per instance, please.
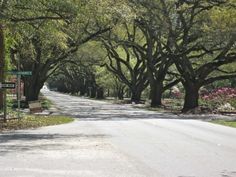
(108, 140)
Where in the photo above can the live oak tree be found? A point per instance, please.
(80, 74)
(198, 37)
(144, 39)
(185, 34)
(42, 53)
(152, 52)
(48, 32)
(12, 12)
(125, 63)
(197, 53)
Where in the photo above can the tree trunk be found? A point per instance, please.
(93, 92)
(2, 62)
(156, 94)
(100, 93)
(120, 94)
(136, 95)
(108, 92)
(83, 89)
(32, 88)
(191, 96)
(32, 95)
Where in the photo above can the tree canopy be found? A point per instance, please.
(144, 46)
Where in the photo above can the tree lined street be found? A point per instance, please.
(118, 140)
(140, 78)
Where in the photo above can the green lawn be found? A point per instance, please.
(34, 122)
(226, 123)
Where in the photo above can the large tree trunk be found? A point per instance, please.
(191, 96)
(100, 93)
(93, 92)
(136, 95)
(82, 91)
(32, 87)
(2, 63)
(32, 93)
(156, 94)
(120, 94)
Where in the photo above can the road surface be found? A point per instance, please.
(108, 140)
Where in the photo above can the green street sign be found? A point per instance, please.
(23, 73)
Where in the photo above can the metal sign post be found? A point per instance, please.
(6, 85)
(19, 74)
(5, 106)
(18, 95)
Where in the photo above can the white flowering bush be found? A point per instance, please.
(226, 107)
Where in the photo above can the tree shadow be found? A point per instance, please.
(119, 115)
(22, 142)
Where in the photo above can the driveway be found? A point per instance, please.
(109, 140)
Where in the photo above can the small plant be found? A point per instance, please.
(221, 99)
(175, 92)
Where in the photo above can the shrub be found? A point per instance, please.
(218, 98)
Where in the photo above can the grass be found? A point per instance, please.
(46, 103)
(34, 122)
(225, 123)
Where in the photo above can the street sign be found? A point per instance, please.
(23, 73)
(8, 85)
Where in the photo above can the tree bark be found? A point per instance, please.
(2, 63)
(32, 87)
(191, 96)
(82, 91)
(136, 95)
(120, 94)
(100, 93)
(32, 92)
(156, 94)
(93, 92)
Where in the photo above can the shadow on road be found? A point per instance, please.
(97, 115)
(21, 142)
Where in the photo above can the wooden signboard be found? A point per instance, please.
(35, 107)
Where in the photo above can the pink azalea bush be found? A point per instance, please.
(219, 97)
(175, 92)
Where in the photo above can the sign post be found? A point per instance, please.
(6, 85)
(19, 74)
(5, 106)
(18, 95)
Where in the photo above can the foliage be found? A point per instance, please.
(46, 103)
(153, 44)
(219, 97)
(47, 33)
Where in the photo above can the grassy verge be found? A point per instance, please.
(34, 122)
(225, 123)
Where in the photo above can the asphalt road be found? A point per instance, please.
(108, 140)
